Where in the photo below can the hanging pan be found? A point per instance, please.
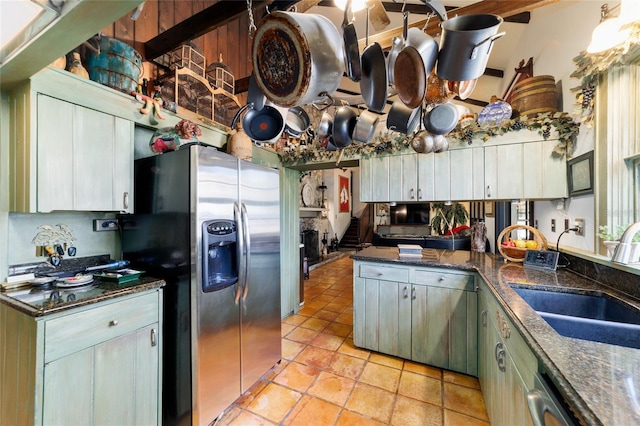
(265, 125)
(352, 64)
(373, 84)
(396, 45)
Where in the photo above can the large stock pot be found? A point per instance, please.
(298, 58)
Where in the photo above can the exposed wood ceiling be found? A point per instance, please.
(225, 11)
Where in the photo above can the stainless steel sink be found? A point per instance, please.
(595, 317)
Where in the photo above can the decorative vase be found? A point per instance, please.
(76, 66)
(239, 144)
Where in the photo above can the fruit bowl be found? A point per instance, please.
(516, 254)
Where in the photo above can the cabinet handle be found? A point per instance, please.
(413, 293)
(488, 190)
(500, 355)
(419, 193)
(483, 318)
(125, 200)
(154, 338)
(411, 196)
(406, 293)
(441, 278)
(113, 323)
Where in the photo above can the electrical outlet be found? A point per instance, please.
(553, 225)
(105, 225)
(566, 224)
(580, 225)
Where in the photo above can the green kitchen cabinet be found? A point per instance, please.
(374, 179)
(506, 364)
(411, 178)
(97, 364)
(72, 158)
(423, 314)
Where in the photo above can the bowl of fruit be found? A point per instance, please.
(514, 249)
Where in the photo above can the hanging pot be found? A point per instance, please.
(297, 58)
(365, 126)
(403, 119)
(297, 122)
(426, 45)
(265, 125)
(344, 123)
(465, 46)
(351, 48)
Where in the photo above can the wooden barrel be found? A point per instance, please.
(535, 95)
(117, 65)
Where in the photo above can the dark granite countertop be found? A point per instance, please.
(600, 381)
(38, 301)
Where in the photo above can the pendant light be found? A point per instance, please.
(610, 31)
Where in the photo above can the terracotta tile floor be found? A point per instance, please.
(324, 379)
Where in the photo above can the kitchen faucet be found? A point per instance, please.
(622, 253)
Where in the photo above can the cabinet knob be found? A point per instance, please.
(113, 323)
(441, 278)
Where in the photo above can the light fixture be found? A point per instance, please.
(609, 32)
(356, 5)
(21, 20)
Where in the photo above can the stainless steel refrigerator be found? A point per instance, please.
(209, 225)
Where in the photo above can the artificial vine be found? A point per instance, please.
(591, 66)
(390, 142)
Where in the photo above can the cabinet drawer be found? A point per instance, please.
(386, 273)
(444, 279)
(76, 331)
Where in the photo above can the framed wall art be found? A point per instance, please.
(580, 174)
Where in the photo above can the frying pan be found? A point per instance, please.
(396, 46)
(325, 128)
(373, 84)
(412, 87)
(441, 119)
(351, 49)
(263, 125)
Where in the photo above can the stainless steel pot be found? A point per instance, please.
(297, 122)
(403, 119)
(396, 46)
(365, 126)
(465, 46)
(297, 58)
(325, 128)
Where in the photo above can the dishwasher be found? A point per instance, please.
(544, 407)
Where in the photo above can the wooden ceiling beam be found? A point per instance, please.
(216, 15)
(505, 9)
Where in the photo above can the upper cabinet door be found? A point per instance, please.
(84, 158)
(54, 172)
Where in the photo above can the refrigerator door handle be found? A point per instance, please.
(240, 251)
(247, 241)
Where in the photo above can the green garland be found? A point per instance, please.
(389, 142)
(591, 66)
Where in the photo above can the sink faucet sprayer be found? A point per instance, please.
(622, 253)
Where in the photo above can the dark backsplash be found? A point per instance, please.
(625, 282)
(72, 264)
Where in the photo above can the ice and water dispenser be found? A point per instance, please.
(219, 263)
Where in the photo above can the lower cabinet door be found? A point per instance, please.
(114, 382)
(443, 328)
